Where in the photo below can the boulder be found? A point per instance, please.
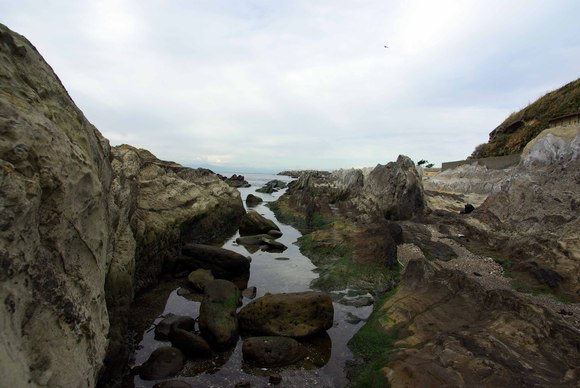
(235, 181)
(272, 186)
(272, 351)
(275, 233)
(253, 200)
(171, 322)
(291, 315)
(223, 263)
(191, 344)
(250, 292)
(467, 209)
(253, 223)
(393, 190)
(264, 241)
(162, 363)
(217, 315)
(199, 277)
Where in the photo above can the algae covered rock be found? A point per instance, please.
(199, 278)
(272, 351)
(300, 314)
(217, 315)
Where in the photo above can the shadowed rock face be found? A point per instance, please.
(74, 215)
(254, 223)
(393, 190)
(272, 351)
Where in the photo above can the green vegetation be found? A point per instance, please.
(297, 220)
(519, 284)
(373, 344)
(337, 270)
(520, 127)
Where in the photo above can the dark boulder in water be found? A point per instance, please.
(217, 315)
(272, 351)
(162, 363)
(254, 223)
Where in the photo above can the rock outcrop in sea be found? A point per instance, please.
(83, 227)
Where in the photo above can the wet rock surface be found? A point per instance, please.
(272, 351)
(191, 344)
(223, 263)
(254, 223)
(164, 362)
(171, 322)
(253, 200)
(292, 315)
(217, 316)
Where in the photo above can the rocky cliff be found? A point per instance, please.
(82, 226)
(520, 127)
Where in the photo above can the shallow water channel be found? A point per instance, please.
(289, 271)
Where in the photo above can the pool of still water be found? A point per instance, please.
(268, 273)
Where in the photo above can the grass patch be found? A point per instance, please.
(373, 345)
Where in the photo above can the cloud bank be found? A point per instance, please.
(302, 84)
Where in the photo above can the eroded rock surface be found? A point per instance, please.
(495, 338)
(74, 216)
(300, 314)
(57, 227)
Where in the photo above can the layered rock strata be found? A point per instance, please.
(82, 226)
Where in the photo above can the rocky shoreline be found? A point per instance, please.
(469, 266)
(473, 273)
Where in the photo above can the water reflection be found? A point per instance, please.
(270, 272)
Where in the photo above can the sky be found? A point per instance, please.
(272, 85)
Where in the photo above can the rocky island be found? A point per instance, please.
(472, 273)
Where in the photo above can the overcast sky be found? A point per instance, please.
(302, 84)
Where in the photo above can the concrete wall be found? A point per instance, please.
(493, 163)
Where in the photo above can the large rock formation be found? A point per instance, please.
(73, 215)
(394, 191)
(451, 329)
(538, 210)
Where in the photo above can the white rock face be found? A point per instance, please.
(553, 145)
